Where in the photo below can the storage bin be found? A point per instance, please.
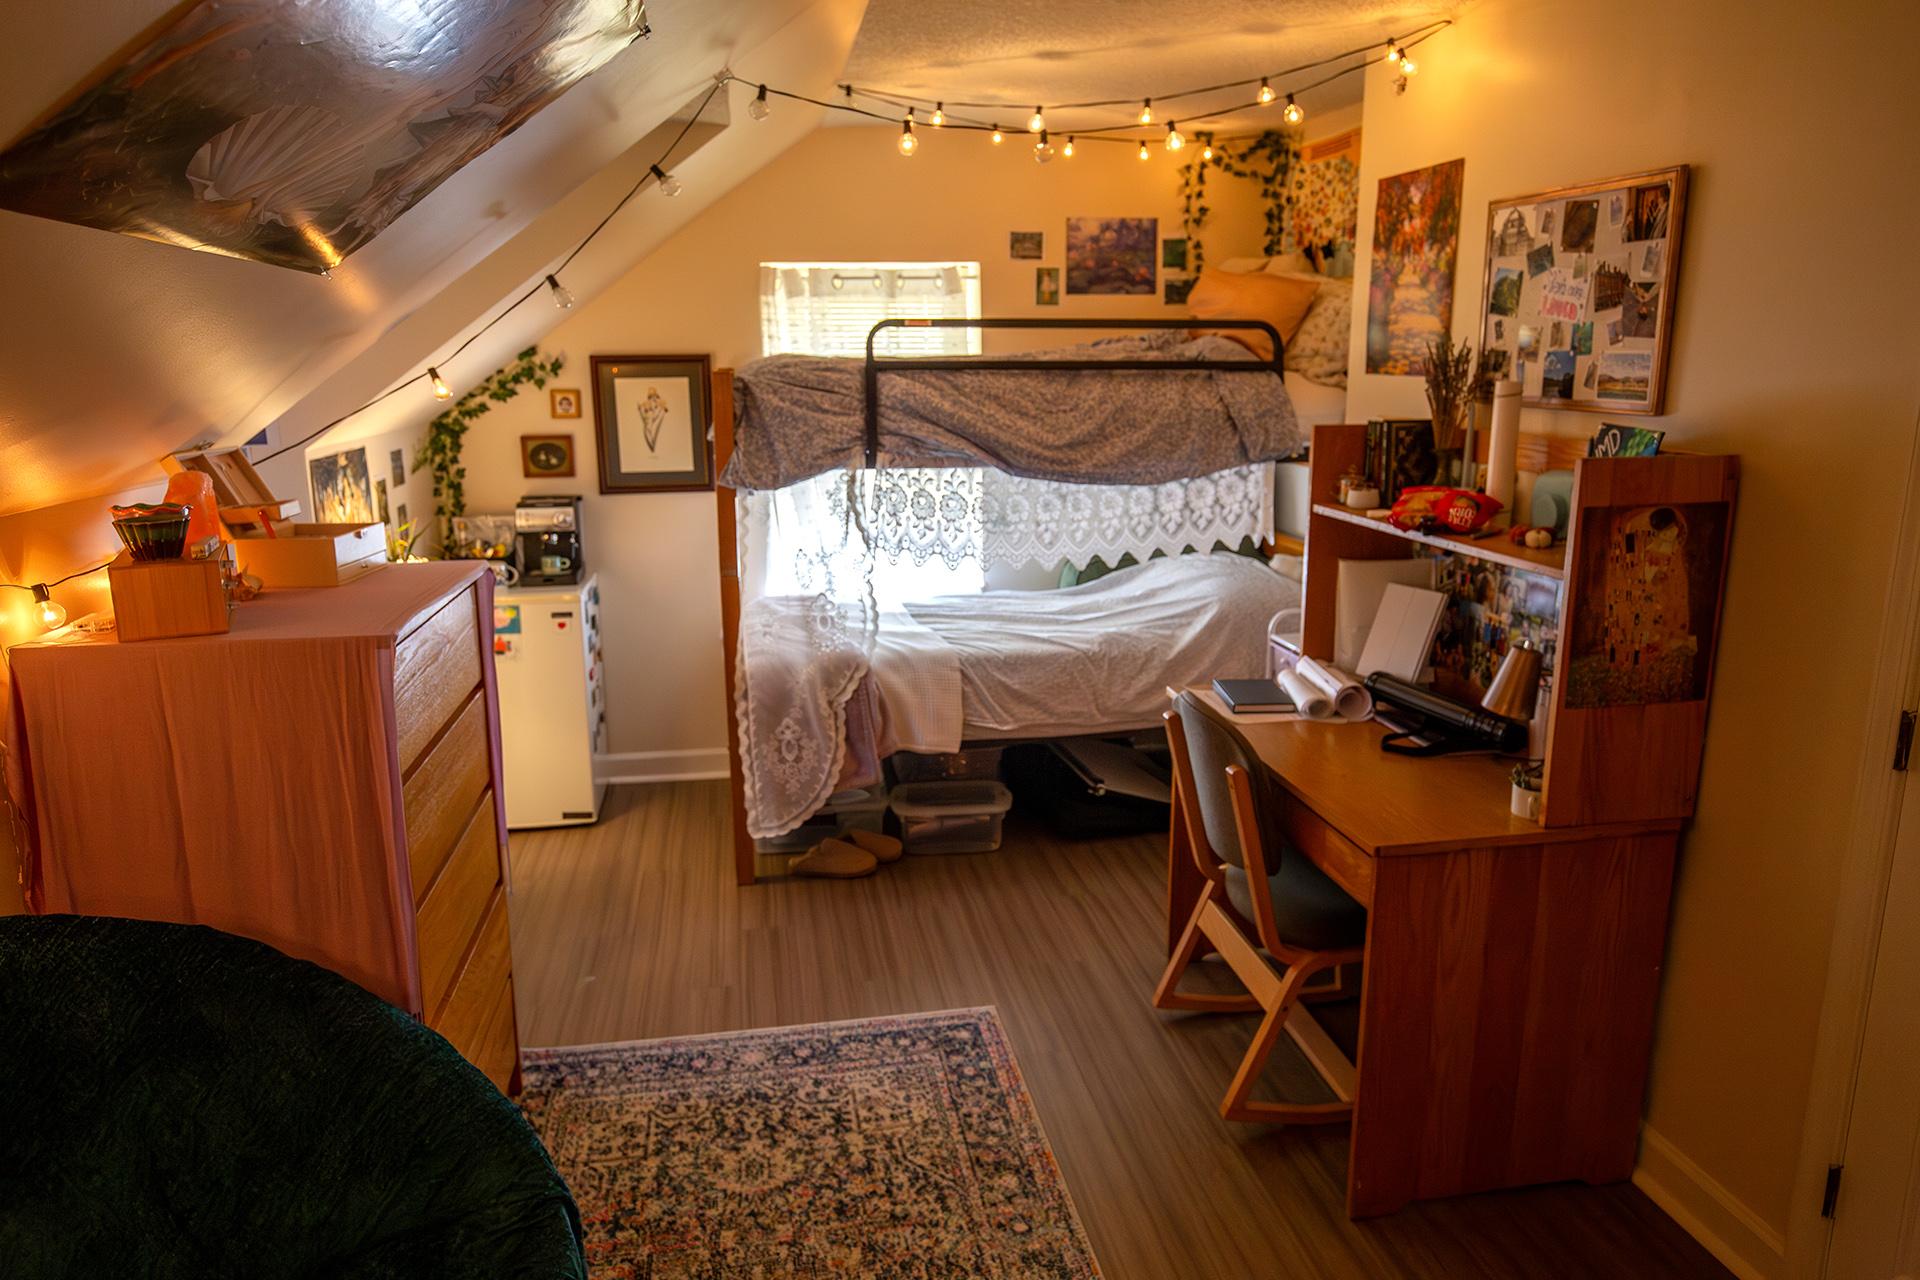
(974, 762)
(862, 810)
(951, 817)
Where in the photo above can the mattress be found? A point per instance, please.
(1315, 403)
(1095, 658)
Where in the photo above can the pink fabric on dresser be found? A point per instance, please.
(251, 724)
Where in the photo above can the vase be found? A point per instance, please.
(1446, 467)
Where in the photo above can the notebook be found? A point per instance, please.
(1244, 697)
(1402, 633)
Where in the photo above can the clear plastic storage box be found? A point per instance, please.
(862, 810)
(961, 816)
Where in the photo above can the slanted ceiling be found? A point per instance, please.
(114, 350)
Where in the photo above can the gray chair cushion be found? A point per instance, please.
(1310, 910)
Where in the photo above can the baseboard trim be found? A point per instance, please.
(701, 765)
(1707, 1211)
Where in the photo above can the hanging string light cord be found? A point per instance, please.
(77, 573)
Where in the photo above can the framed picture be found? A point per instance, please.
(342, 488)
(1587, 274)
(650, 421)
(563, 402)
(546, 455)
(1046, 286)
(1416, 243)
(1026, 244)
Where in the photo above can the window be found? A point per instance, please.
(827, 309)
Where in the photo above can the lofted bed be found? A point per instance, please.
(1160, 442)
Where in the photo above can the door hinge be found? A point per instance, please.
(1831, 1193)
(1903, 742)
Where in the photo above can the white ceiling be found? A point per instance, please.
(1020, 52)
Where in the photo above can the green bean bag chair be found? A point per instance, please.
(184, 1103)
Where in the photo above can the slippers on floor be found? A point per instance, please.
(884, 848)
(834, 860)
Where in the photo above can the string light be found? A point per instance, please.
(998, 137)
(51, 614)
(1266, 91)
(908, 143)
(1394, 52)
(1143, 151)
(1043, 149)
(1037, 122)
(441, 391)
(1206, 152)
(1293, 114)
(1175, 139)
(1146, 111)
(1067, 150)
(562, 296)
(669, 185)
(939, 114)
(760, 108)
(1407, 65)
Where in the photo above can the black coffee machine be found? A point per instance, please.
(547, 540)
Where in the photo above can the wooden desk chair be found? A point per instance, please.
(1257, 895)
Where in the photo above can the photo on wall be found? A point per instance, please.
(1026, 244)
(342, 488)
(1046, 286)
(1416, 242)
(1113, 255)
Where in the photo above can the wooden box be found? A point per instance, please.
(245, 501)
(312, 555)
(158, 599)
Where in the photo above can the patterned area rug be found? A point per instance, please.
(885, 1149)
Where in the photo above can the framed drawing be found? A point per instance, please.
(546, 455)
(1577, 303)
(651, 417)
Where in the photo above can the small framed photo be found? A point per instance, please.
(1026, 244)
(563, 402)
(651, 418)
(546, 456)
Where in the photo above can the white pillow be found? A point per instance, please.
(1291, 264)
(1243, 266)
(1318, 351)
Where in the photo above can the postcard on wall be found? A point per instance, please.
(1416, 242)
(1178, 291)
(1173, 255)
(1026, 244)
(1046, 286)
(342, 488)
(1578, 290)
(1113, 255)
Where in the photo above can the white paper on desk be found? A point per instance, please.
(1403, 632)
(1330, 693)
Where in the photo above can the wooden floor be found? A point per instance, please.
(633, 929)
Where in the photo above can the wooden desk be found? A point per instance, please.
(1511, 970)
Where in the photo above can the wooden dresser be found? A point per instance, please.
(324, 778)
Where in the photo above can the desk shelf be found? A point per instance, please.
(1494, 548)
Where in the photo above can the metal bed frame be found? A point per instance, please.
(876, 365)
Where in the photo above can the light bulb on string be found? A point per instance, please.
(1393, 51)
(1144, 153)
(1042, 149)
(760, 108)
(998, 137)
(1407, 65)
(1206, 152)
(939, 114)
(1175, 139)
(1067, 150)
(441, 391)
(1293, 114)
(1146, 111)
(562, 296)
(1266, 91)
(908, 143)
(1037, 122)
(669, 185)
(51, 615)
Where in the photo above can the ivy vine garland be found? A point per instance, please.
(1267, 158)
(445, 434)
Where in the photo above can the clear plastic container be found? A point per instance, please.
(862, 810)
(951, 817)
(973, 762)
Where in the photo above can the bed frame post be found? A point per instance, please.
(729, 539)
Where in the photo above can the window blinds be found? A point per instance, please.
(828, 308)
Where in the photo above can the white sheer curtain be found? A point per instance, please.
(827, 308)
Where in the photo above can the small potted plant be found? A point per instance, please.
(1527, 780)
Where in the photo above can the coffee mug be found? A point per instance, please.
(555, 564)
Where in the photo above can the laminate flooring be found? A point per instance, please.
(633, 929)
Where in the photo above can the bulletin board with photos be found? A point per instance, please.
(1578, 299)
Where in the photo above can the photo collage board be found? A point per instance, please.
(1579, 293)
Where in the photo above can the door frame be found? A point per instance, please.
(1859, 912)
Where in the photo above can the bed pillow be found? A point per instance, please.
(1318, 352)
(1291, 264)
(1243, 266)
(1281, 301)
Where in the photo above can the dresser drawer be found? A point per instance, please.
(434, 669)
(471, 1014)
(1343, 861)
(442, 792)
(456, 903)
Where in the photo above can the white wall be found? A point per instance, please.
(1794, 347)
(841, 195)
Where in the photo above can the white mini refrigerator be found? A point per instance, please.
(553, 706)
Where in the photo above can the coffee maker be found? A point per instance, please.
(547, 540)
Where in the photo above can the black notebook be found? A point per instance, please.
(1244, 697)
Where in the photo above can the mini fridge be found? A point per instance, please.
(553, 705)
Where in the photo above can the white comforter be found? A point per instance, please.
(1089, 659)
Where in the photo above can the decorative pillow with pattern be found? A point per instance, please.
(1318, 351)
